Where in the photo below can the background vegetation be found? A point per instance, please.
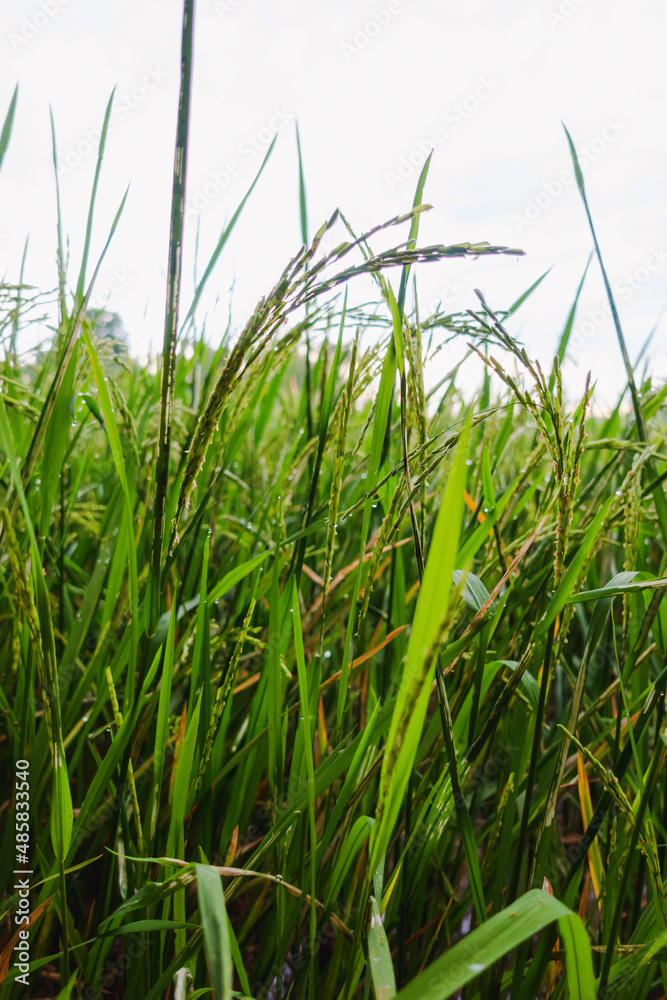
(330, 684)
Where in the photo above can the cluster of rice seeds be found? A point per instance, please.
(222, 695)
(632, 494)
(210, 417)
(343, 417)
(118, 719)
(563, 438)
(645, 833)
(47, 678)
(417, 408)
(389, 525)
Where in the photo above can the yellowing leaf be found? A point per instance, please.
(594, 857)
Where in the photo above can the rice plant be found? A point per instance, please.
(321, 682)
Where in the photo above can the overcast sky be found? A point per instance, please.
(374, 86)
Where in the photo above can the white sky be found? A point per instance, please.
(486, 83)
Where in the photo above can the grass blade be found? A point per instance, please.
(211, 901)
(6, 133)
(429, 624)
(480, 949)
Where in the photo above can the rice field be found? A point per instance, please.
(319, 679)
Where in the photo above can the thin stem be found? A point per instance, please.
(171, 316)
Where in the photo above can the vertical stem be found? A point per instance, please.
(460, 807)
(642, 430)
(171, 315)
(17, 313)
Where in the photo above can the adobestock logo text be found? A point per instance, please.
(624, 289)
(247, 152)
(123, 105)
(452, 119)
(32, 25)
(365, 33)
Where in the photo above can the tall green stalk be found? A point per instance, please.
(174, 268)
